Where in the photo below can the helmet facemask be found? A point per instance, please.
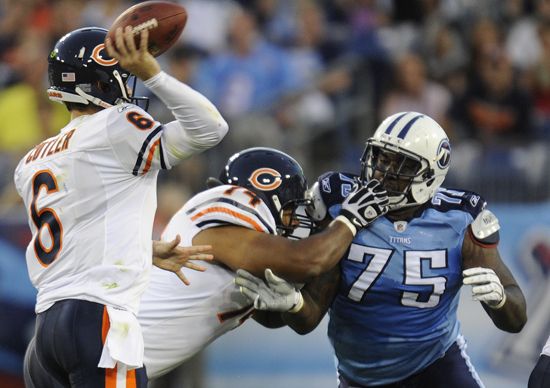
(290, 218)
(398, 171)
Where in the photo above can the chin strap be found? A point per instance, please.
(121, 85)
(92, 99)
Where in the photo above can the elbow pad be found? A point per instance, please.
(484, 229)
(317, 210)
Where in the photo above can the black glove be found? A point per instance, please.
(364, 205)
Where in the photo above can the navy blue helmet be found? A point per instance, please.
(275, 176)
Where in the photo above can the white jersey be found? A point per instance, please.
(177, 320)
(91, 196)
(546, 348)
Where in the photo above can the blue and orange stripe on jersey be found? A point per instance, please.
(148, 148)
(255, 220)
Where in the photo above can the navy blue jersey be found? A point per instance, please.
(396, 310)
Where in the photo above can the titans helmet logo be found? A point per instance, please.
(444, 153)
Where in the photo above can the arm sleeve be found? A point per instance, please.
(198, 125)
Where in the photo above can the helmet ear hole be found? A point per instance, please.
(103, 86)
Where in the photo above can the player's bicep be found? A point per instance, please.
(179, 146)
(242, 248)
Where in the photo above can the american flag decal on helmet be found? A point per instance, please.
(68, 77)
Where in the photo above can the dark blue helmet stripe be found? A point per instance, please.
(390, 127)
(406, 128)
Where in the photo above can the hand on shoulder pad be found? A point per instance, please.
(364, 205)
(486, 286)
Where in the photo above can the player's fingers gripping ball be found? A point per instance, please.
(486, 286)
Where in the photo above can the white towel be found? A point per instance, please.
(124, 342)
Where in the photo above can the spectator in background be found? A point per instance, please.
(496, 117)
(414, 91)
(446, 58)
(371, 39)
(483, 36)
(27, 116)
(522, 39)
(311, 111)
(67, 16)
(251, 75)
(246, 82)
(539, 83)
(25, 106)
(495, 110)
(277, 19)
(216, 14)
(102, 13)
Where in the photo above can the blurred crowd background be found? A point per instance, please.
(313, 78)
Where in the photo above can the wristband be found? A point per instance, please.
(348, 223)
(501, 303)
(298, 304)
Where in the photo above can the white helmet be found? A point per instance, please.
(416, 137)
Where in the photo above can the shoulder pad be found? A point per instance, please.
(455, 199)
(317, 210)
(230, 205)
(330, 189)
(335, 186)
(485, 228)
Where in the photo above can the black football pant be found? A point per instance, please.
(67, 347)
(540, 376)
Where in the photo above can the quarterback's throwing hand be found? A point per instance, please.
(364, 205)
(271, 293)
(170, 256)
(486, 286)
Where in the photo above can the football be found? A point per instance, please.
(164, 20)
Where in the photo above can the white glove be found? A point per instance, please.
(364, 205)
(271, 293)
(486, 286)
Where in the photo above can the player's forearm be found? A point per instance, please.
(269, 319)
(321, 252)
(203, 124)
(512, 316)
(305, 320)
(318, 295)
